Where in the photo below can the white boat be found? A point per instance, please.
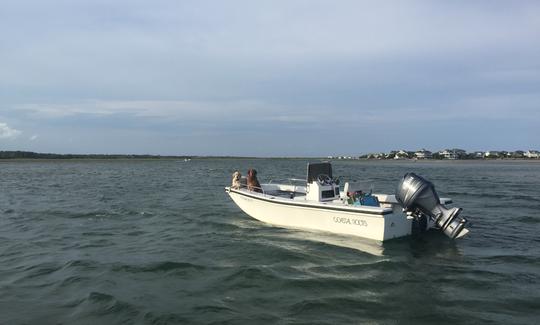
(320, 204)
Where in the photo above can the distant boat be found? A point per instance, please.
(320, 205)
(187, 159)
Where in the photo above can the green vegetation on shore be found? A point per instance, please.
(35, 155)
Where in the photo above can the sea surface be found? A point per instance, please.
(160, 242)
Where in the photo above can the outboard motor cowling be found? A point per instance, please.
(417, 195)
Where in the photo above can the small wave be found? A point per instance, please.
(73, 280)
(87, 215)
(167, 266)
(514, 259)
(212, 309)
(381, 265)
(136, 233)
(108, 304)
(336, 304)
(44, 270)
(41, 269)
(345, 284)
(100, 297)
(248, 277)
(528, 219)
(86, 264)
(491, 195)
(104, 198)
(152, 318)
(222, 226)
(97, 233)
(93, 243)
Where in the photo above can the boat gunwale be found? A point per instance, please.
(312, 205)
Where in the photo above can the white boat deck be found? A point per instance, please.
(292, 194)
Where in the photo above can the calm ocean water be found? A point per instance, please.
(160, 242)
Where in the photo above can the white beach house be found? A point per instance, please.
(532, 154)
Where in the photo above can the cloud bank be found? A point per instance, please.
(8, 133)
(219, 78)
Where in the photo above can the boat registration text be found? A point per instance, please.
(357, 222)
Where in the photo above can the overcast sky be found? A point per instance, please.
(268, 78)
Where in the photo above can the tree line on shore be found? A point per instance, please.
(36, 155)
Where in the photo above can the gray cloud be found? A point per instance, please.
(272, 67)
(7, 132)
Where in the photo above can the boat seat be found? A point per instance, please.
(346, 187)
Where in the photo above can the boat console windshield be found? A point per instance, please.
(321, 186)
(316, 170)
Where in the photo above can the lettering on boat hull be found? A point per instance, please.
(351, 221)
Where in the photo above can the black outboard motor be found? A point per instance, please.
(418, 196)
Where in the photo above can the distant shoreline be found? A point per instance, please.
(29, 155)
(26, 156)
(10, 155)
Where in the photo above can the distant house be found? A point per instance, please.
(378, 155)
(492, 154)
(518, 154)
(478, 154)
(459, 152)
(423, 154)
(448, 154)
(391, 154)
(532, 154)
(402, 154)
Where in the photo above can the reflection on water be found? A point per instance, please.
(429, 243)
(361, 244)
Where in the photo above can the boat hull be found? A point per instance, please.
(347, 220)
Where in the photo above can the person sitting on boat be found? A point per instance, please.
(361, 198)
(352, 197)
(252, 181)
(236, 180)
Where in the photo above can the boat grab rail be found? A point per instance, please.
(263, 192)
(295, 187)
(256, 187)
(290, 180)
